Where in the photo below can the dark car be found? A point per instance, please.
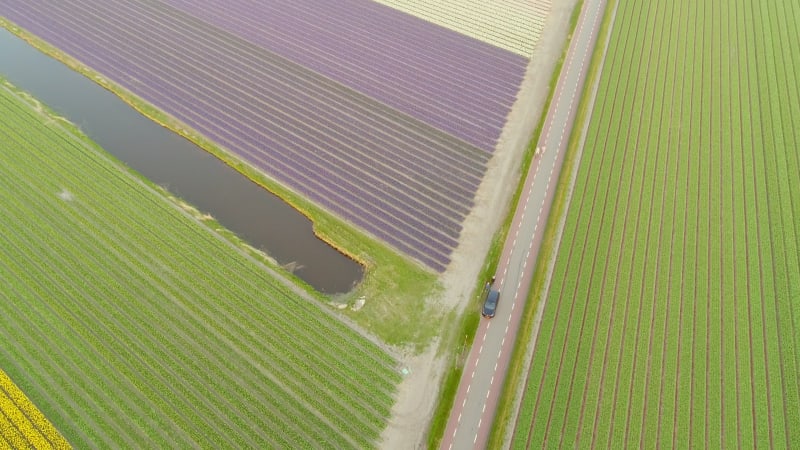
(490, 304)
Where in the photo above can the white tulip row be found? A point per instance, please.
(514, 25)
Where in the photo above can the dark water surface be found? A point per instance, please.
(167, 159)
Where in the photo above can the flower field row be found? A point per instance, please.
(672, 313)
(443, 78)
(514, 25)
(156, 330)
(22, 425)
(383, 119)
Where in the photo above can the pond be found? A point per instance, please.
(259, 217)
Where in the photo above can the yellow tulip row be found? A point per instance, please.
(22, 425)
(10, 436)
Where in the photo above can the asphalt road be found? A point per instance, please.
(484, 373)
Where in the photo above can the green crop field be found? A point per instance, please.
(130, 323)
(673, 314)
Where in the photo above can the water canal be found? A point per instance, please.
(167, 159)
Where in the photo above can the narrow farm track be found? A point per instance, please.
(671, 317)
(145, 344)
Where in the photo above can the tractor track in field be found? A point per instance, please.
(566, 340)
(709, 254)
(591, 281)
(761, 264)
(627, 148)
(736, 336)
(594, 198)
(747, 260)
(675, 193)
(572, 247)
(566, 336)
(594, 336)
(704, 173)
(592, 272)
(571, 315)
(781, 345)
(794, 207)
(758, 253)
(796, 139)
(788, 163)
(743, 232)
(648, 155)
(631, 215)
(696, 251)
(605, 280)
(661, 241)
(696, 164)
(683, 298)
(721, 236)
(583, 318)
(592, 213)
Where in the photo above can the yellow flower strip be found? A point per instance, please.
(10, 434)
(22, 420)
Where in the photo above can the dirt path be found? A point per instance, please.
(419, 391)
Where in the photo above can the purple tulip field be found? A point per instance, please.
(384, 119)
